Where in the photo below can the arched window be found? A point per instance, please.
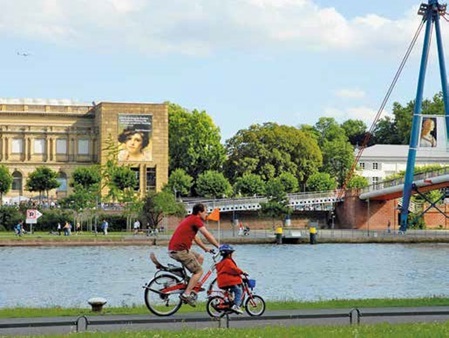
(16, 181)
(62, 179)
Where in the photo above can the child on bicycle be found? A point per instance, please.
(229, 275)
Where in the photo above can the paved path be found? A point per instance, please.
(65, 325)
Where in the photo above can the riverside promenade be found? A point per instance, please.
(300, 236)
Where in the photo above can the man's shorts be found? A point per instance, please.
(188, 258)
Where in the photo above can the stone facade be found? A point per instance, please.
(64, 136)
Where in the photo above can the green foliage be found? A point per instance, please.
(357, 182)
(338, 153)
(355, 130)
(194, 141)
(249, 185)
(269, 150)
(277, 205)
(397, 130)
(86, 177)
(43, 179)
(289, 182)
(321, 182)
(212, 184)
(5, 182)
(179, 183)
(9, 216)
(158, 205)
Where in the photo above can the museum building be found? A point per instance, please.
(63, 136)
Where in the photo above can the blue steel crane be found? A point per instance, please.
(431, 13)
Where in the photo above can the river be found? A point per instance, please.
(69, 276)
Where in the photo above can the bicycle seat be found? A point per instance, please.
(174, 269)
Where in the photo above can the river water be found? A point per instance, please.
(69, 276)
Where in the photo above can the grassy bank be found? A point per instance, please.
(271, 306)
(430, 330)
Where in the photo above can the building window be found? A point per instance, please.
(62, 179)
(362, 165)
(39, 146)
(83, 147)
(376, 166)
(17, 146)
(16, 181)
(61, 146)
(151, 179)
(376, 180)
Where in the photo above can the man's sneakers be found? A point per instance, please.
(191, 300)
(236, 309)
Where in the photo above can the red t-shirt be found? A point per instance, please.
(185, 233)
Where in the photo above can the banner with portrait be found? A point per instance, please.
(135, 137)
(433, 135)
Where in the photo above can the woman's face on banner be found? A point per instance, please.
(134, 143)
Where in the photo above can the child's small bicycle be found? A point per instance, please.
(220, 305)
(169, 282)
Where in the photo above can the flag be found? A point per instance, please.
(214, 215)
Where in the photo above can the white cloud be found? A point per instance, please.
(350, 93)
(200, 26)
(365, 114)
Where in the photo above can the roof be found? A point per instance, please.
(400, 153)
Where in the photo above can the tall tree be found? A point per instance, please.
(355, 130)
(249, 185)
(269, 150)
(212, 184)
(194, 141)
(179, 183)
(338, 153)
(5, 182)
(42, 179)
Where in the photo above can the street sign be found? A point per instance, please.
(32, 216)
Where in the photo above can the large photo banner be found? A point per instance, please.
(135, 137)
(433, 134)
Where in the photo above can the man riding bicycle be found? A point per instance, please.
(179, 247)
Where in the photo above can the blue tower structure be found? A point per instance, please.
(431, 13)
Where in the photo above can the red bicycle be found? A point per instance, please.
(220, 305)
(169, 282)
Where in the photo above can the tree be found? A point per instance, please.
(158, 205)
(321, 182)
(355, 130)
(269, 150)
(289, 182)
(43, 179)
(212, 184)
(194, 141)
(397, 130)
(179, 182)
(5, 182)
(338, 153)
(357, 182)
(249, 185)
(277, 205)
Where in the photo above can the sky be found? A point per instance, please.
(244, 62)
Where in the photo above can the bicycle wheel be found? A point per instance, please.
(213, 289)
(215, 306)
(159, 303)
(255, 305)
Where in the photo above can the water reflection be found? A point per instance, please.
(68, 276)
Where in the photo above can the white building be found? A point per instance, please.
(382, 160)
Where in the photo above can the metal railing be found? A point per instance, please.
(400, 181)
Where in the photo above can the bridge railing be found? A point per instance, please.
(307, 200)
(399, 181)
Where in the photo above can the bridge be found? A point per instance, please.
(392, 189)
(307, 201)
